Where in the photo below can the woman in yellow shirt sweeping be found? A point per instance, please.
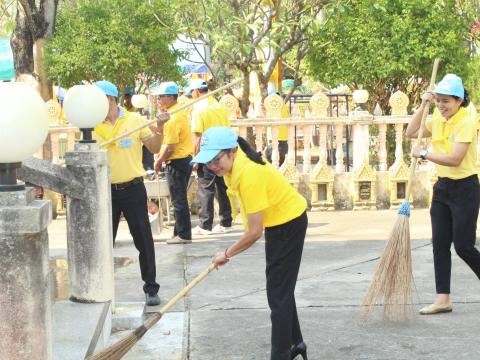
(267, 202)
(456, 195)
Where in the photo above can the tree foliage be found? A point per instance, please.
(114, 40)
(7, 17)
(389, 45)
(248, 35)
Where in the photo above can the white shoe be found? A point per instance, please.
(436, 309)
(222, 229)
(197, 230)
(178, 240)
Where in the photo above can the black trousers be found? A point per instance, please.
(282, 151)
(208, 182)
(454, 213)
(283, 249)
(132, 202)
(178, 175)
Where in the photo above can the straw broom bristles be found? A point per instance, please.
(391, 284)
(117, 350)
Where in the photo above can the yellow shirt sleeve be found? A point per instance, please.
(253, 192)
(464, 130)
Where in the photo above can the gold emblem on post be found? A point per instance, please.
(319, 104)
(399, 102)
(231, 104)
(54, 110)
(273, 105)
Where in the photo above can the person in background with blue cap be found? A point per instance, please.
(456, 194)
(129, 195)
(269, 202)
(208, 113)
(176, 153)
(127, 99)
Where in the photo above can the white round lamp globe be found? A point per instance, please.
(85, 106)
(360, 96)
(140, 101)
(23, 122)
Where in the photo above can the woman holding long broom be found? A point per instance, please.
(456, 196)
(267, 201)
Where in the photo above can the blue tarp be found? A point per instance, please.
(7, 71)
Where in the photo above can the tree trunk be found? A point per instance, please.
(45, 85)
(22, 46)
(245, 102)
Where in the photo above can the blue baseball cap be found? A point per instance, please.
(451, 85)
(129, 90)
(214, 140)
(195, 84)
(187, 92)
(108, 88)
(166, 88)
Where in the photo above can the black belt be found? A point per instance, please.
(122, 186)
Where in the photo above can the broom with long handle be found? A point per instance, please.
(121, 347)
(183, 107)
(392, 281)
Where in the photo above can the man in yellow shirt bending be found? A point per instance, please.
(129, 195)
(176, 153)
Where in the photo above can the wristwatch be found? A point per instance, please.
(423, 154)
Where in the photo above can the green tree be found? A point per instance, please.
(7, 17)
(390, 45)
(114, 40)
(249, 35)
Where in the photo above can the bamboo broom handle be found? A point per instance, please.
(151, 321)
(413, 163)
(183, 107)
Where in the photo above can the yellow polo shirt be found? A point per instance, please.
(177, 132)
(460, 128)
(125, 155)
(205, 117)
(263, 188)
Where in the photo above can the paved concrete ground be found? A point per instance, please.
(226, 317)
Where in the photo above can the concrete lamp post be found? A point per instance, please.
(89, 221)
(361, 135)
(25, 299)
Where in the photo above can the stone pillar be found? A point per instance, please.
(382, 146)
(25, 299)
(339, 168)
(398, 143)
(323, 155)
(89, 230)
(361, 138)
(307, 158)
(275, 153)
